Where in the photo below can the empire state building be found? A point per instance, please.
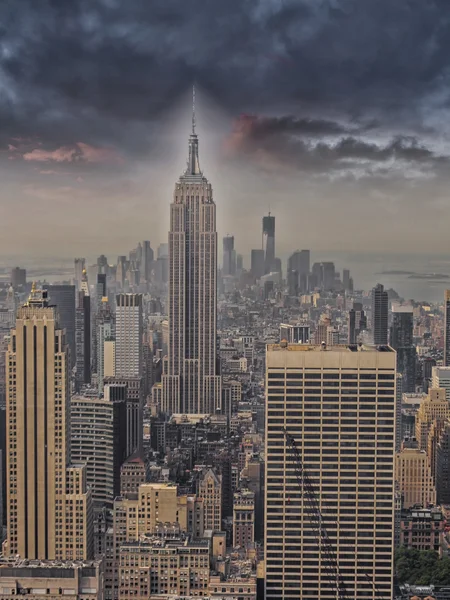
(190, 381)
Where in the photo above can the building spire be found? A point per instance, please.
(193, 163)
(193, 109)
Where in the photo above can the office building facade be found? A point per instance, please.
(338, 404)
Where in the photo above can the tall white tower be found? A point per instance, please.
(190, 382)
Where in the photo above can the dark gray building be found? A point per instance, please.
(298, 270)
(268, 232)
(379, 315)
(63, 297)
(229, 256)
(402, 340)
(257, 263)
(357, 322)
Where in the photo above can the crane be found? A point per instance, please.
(307, 488)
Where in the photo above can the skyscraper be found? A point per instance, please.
(99, 439)
(44, 509)
(357, 322)
(402, 340)
(80, 266)
(63, 297)
(447, 329)
(105, 325)
(191, 383)
(229, 256)
(129, 332)
(268, 231)
(339, 406)
(18, 277)
(83, 334)
(379, 315)
(83, 340)
(146, 261)
(257, 263)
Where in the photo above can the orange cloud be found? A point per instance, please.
(80, 152)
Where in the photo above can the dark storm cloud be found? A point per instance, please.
(320, 145)
(72, 69)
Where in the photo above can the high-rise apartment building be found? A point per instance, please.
(339, 406)
(402, 340)
(44, 521)
(379, 315)
(129, 335)
(268, 232)
(63, 297)
(191, 383)
(447, 328)
(229, 256)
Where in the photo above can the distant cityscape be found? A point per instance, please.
(174, 428)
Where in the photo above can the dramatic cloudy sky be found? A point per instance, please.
(333, 113)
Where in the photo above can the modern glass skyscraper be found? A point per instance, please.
(190, 382)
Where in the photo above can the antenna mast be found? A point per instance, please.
(193, 109)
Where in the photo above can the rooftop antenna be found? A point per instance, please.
(193, 109)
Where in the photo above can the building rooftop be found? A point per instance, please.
(283, 346)
(36, 564)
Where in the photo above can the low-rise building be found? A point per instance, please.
(155, 565)
(243, 588)
(243, 519)
(423, 529)
(53, 580)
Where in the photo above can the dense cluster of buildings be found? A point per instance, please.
(174, 430)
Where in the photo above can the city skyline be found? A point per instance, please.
(224, 300)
